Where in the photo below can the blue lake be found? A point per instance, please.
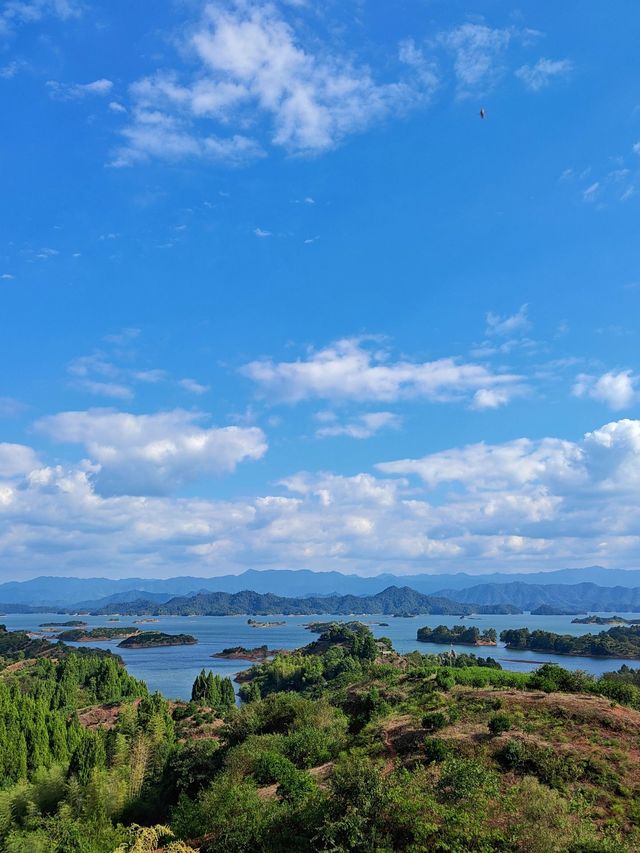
(172, 670)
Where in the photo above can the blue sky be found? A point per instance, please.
(274, 295)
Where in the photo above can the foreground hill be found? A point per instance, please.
(343, 745)
(392, 601)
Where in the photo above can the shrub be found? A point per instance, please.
(270, 767)
(434, 721)
(436, 750)
(463, 779)
(444, 680)
(499, 723)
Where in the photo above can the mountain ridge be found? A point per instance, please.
(70, 591)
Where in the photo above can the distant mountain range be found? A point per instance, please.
(391, 601)
(568, 597)
(96, 592)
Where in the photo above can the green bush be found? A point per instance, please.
(499, 723)
(270, 767)
(434, 721)
(436, 750)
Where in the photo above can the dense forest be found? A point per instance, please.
(343, 745)
(617, 642)
(458, 635)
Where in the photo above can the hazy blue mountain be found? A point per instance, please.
(69, 592)
(124, 598)
(582, 596)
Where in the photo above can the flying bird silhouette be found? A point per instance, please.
(482, 112)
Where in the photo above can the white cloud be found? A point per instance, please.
(491, 398)
(193, 386)
(543, 72)
(616, 389)
(77, 91)
(350, 370)
(524, 503)
(117, 107)
(260, 232)
(153, 454)
(255, 71)
(478, 52)
(6, 276)
(16, 459)
(502, 466)
(503, 326)
(590, 193)
(153, 133)
(16, 13)
(362, 426)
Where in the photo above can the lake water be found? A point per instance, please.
(172, 670)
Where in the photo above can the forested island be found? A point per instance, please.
(155, 639)
(71, 623)
(459, 635)
(618, 642)
(80, 635)
(259, 653)
(392, 600)
(605, 620)
(342, 745)
(549, 610)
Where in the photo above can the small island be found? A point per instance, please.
(144, 621)
(323, 627)
(605, 620)
(97, 635)
(549, 610)
(617, 642)
(258, 654)
(255, 624)
(459, 635)
(72, 623)
(156, 639)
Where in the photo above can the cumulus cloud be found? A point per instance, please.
(543, 72)
(153, 454)
(522, 503)
(255, 70)
(77, 91)
(16, 459)
(500, 466)
(350, 369)
(616, 389)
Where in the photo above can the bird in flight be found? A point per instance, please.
(482, 112)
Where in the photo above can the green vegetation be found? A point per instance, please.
(617, 642)
(214, 691)
(258, 653)
(458, 635)
(550, 610)
(80, 635)
(393, 600)
(605, 620)
(71, 623)
(154, 639)
(343, 745)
